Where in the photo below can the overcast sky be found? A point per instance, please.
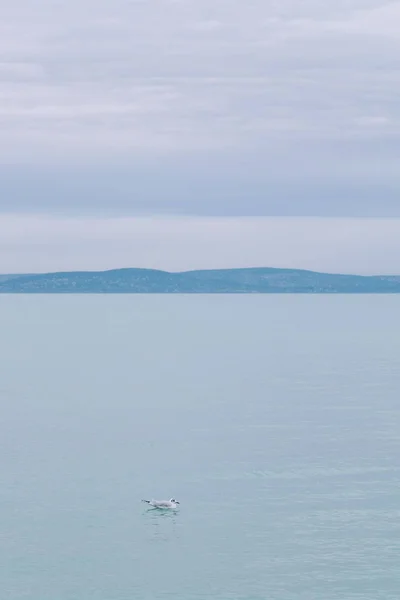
(143, 132)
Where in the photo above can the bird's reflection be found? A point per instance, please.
(163, 524)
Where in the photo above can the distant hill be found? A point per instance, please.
(221, 281)
(5, 277)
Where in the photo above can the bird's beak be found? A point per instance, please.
(177, 502)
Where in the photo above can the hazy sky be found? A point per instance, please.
(172, 133)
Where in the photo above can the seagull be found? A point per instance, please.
(163, 503)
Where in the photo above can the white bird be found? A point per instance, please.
(163, 503)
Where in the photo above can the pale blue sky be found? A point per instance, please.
(207, 109)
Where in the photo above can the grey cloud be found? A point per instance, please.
(158, 104)
(244, 185)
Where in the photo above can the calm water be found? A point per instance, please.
(275, 420)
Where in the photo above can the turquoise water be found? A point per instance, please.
(275, 420)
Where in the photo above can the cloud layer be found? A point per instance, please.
(218, 107)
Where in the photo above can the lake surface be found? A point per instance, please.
(275, 420)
